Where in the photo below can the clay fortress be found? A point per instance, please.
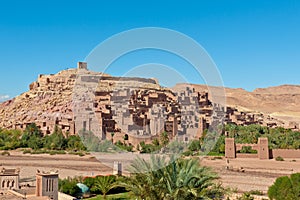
(136, 108)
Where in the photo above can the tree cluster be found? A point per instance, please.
(33, 138)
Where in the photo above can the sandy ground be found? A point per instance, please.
(67, 165)
(256, 174)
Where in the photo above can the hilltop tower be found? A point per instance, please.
(82, 65)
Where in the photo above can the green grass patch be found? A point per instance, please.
(215, 154)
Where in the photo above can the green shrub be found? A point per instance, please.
(279, 158)
(124, 146)
(69, 186)
(27, 151)
(77, 153)
(188, 153)
(5, 153)
(246, 196)
(194, 145)
(148, 148)
(285, 188)
(81, 154)
(247, 149)
(256, 192)
(33, 138)
(215, 154)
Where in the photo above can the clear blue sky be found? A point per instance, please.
(254, 43)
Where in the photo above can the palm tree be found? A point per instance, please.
(145, 178)
(104, 184)
(186, 179)
(174, 180)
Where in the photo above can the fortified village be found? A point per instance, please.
(137, 108)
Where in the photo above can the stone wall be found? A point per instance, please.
(246, 155)
(285, 153)
(262, 148)
(263, 152)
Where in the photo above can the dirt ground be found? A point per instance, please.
(243, 174)
(67, 165)
(246, 174)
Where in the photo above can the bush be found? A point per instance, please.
(69, 186)
(124, 147)
(5, 153)
(57, 152)
(285, 188)
(188, 153)
(77, 153)
(40, 151)
(246, 196)
(148, 148)
(195, 145)
(27, 151)
(256, 192)
(279, 158)
(247, 149)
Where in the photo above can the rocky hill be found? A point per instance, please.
(48, 102)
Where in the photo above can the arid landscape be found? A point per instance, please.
(150, 100)
(49, 104)
(243, 174)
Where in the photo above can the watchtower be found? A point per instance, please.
(229, 148)
(82, 65)
(263, 148)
